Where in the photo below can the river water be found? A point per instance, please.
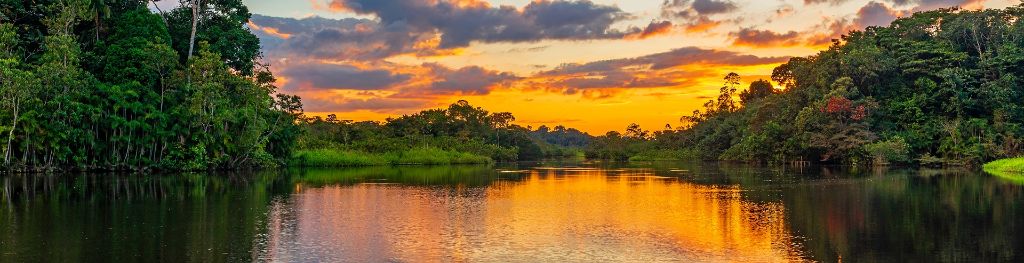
(526, 212)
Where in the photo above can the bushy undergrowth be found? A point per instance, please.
(665, 155)
(414, 156)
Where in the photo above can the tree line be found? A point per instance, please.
(940, 87)
(112, 85)
(461, 127)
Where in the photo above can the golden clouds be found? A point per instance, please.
(269, 31)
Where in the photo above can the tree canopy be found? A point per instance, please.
(106, 85)
(938, 87)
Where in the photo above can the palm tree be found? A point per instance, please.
(99, 8)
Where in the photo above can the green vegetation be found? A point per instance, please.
(111, 85)
(664, 155)
(1012, 169)
(470, 175)
(459, 134)
(414, 156)
(937, 88)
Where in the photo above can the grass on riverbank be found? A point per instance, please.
(1012, 169)
(664, 155)
(415, 156)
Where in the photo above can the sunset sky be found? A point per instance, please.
(594, 65)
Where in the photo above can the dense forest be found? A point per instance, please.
(460, 133)
(938, 88)
(112, 85)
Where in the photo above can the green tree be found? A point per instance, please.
(757, 90)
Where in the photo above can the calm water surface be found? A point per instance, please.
(530, 212)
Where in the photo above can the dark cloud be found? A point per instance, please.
(875, 14)
(654, 29)
(344, 39)
(426, 28)
(380, 89)
(696, 15)
(331, 76)
(470, 80)
(688, 8)
(701, 24)
(385, 105)
(459, 24)
(656, 70)
(713, 6)
(665, 60)
(765, 38)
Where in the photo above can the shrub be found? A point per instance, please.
(893, 150)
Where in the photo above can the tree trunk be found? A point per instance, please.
(196, 4)
(97, 18)
(10, 136)
(195, 22)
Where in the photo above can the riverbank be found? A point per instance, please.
(1012, 168)
(415, 156)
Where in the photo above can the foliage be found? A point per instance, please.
(894, 150)
(1012, 168)
(941, 85)
(123, 99)
(459, 128)
(414, 156)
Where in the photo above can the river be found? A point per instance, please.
(525, 212)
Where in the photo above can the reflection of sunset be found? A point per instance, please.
(552, 215)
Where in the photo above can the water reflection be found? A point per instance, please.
(647, 212)
(544, 215)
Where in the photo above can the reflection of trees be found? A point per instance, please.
(885, 214)
(129, 187)
(903, 216)
(180, 218)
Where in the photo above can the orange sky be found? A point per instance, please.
(594, 65)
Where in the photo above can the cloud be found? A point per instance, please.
(333, 76)
(472, 80)
(673, 58)
(337, 39)
(688, 8)
(382, 105)
(458, 23)
(713, 6)
(701, 24)
(333, 87)
(653, 29)
(678, 67)
(696, 16)
(765, 38)
(875, 14)
(439, 27)
(871, 14)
